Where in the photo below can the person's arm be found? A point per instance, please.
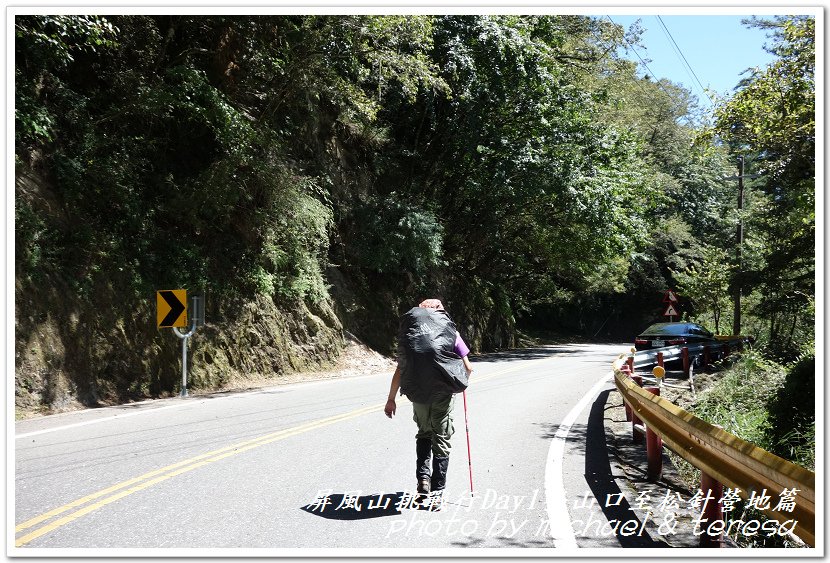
(391, 407)
(463, 350)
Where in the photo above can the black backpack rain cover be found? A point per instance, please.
(426, 355)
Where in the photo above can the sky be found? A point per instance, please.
(718, 48)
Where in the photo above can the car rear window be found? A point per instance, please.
(669, 329)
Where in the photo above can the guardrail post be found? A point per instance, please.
(692, 380)
(630, 363)
(660, 359)
(626, 371)
(712, 509)
(637, 438)
(726, 456)
(684, 354)
(654, 447)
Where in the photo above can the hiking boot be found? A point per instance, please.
(439, 473)
(423, 451)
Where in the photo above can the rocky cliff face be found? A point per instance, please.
(68, 356)
(266, 341)
(103, 347)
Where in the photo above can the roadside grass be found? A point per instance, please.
(769, 405)
(738, 401)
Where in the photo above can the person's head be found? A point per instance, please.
(431, 304)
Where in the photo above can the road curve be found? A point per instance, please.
(317, 466)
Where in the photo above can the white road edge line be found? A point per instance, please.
(178, 404)
(558, 516)
(102, 419)
(188, 402)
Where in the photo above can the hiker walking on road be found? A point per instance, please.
(432, 367)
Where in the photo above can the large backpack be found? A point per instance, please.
(429, 365)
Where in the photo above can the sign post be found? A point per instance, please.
(670, 297)
(659, 373)
(172, 313)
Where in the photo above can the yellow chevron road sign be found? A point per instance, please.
(171, 308)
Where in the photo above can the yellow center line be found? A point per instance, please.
(232, 449)
(187, 465)
(46, 516)
(177, 469)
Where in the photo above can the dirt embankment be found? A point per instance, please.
(68, 356)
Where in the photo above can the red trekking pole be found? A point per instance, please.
(467, 426)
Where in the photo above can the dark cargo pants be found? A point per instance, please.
(434, 422)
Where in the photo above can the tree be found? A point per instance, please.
(773, 115)
(706, 285)
(533, 191)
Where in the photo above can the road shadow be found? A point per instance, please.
(471, 542)
(340, 506)
(268, 389)
(589, 440)
(601, 481)
(504, 542)
(521, 354)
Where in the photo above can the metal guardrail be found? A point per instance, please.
(725, 457)
(647, 358)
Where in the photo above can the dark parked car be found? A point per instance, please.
(659, 335)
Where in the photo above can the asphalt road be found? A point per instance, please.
(316, 466)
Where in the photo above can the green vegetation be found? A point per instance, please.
(768, 404)
(316, 174)
(772, 117)
(738, 402)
